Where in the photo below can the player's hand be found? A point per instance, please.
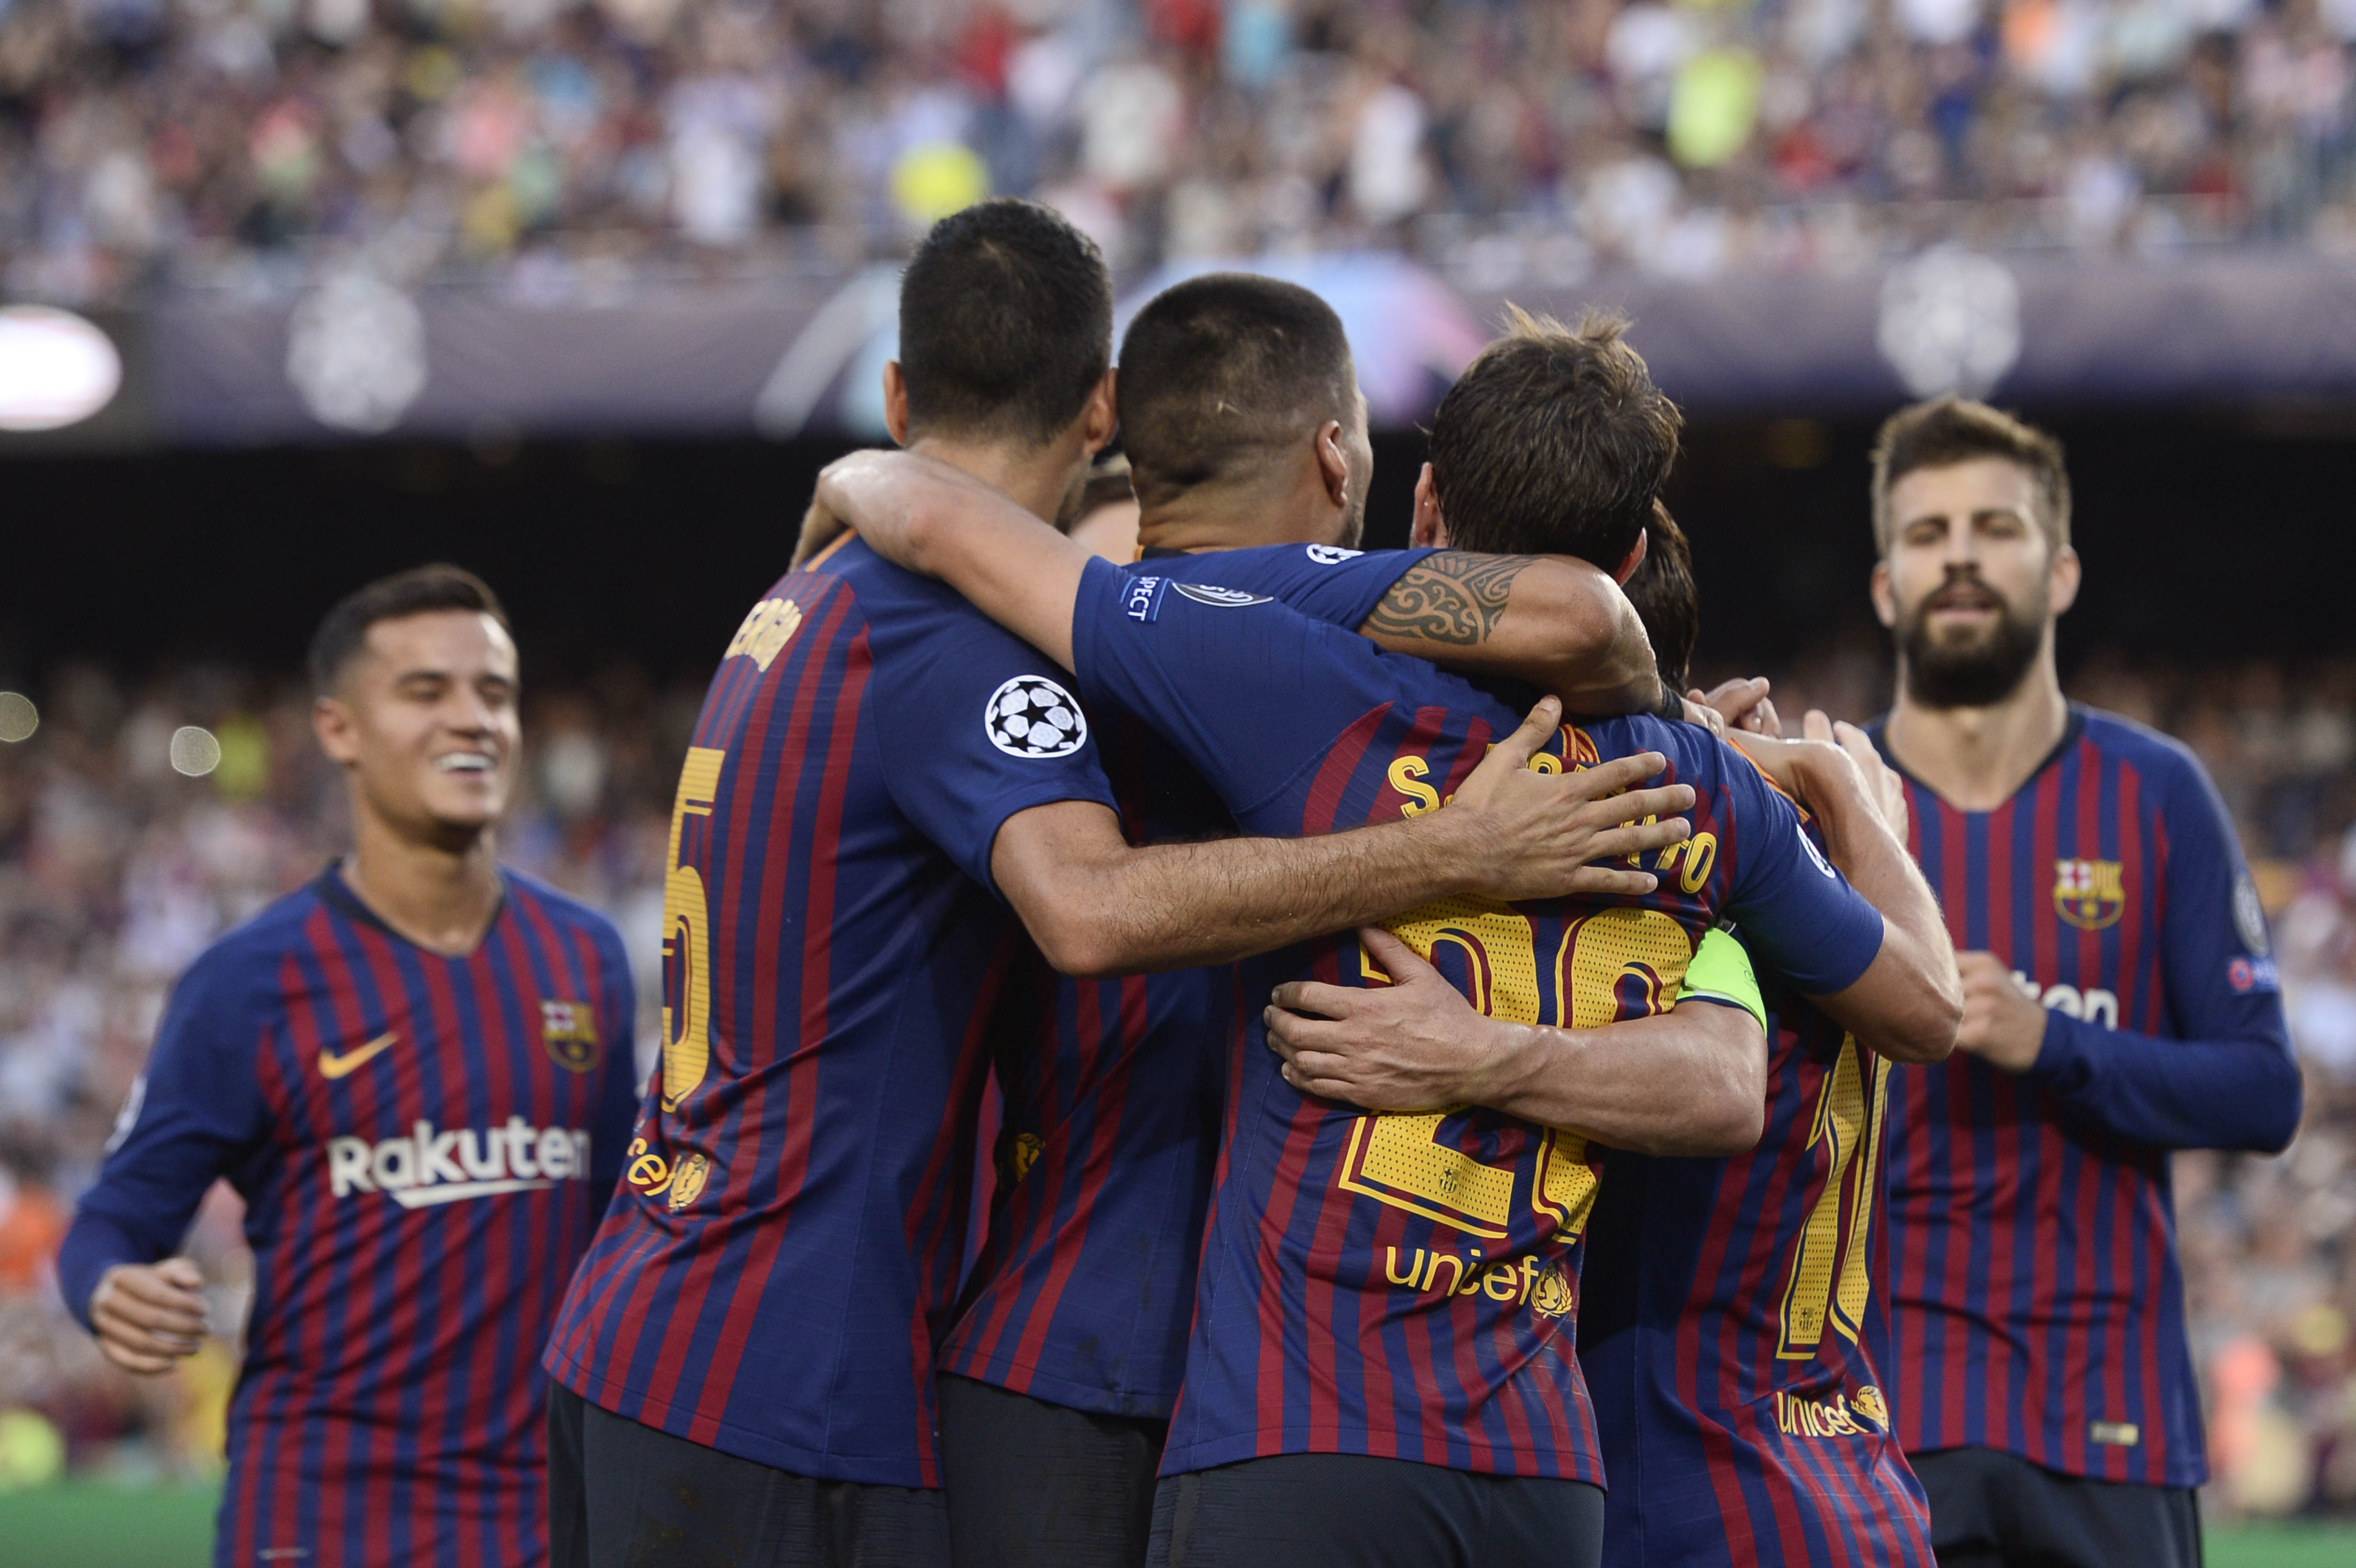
(1413, 1045)
(1884, 785)
(2001, 1026)
(1530, 835)
(1701, 713)
(1739, 704)
(148, 1315)
(1821, 770)
(821, 528)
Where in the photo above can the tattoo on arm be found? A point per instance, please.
(1455, 597)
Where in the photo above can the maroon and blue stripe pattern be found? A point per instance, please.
(424, 1144)
(1084, 1292)
(785, 1257)
(1728, 1330)
(1407, 1287)
(2036, 1303)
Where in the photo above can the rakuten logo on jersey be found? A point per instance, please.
(429, 1167)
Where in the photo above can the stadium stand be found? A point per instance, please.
(564, 148)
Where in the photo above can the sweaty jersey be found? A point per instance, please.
(424, 1144)
(1406, 1285)
(772, 1279)
(2036, 1305)
(1730, 1316)
(1084, 1290)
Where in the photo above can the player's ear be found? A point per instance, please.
(1333, 462)
(1102, 414)
(1885, 600)
(895, 402)
(338, 733)
(1635, 559)
(2061, 585)
(1430, 530)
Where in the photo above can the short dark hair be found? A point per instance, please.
(1951, 430)
(1006, 323)
(1553, 442)
(1221, 370)
(418, 591)
(1666, 600)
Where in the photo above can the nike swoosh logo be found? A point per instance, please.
(332, 1066)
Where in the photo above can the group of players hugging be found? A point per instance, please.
(1467, 1099)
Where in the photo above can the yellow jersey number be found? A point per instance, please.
(1395, 1157)
(1850, 1117)
(687, 938)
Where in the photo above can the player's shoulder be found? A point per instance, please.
(245, 965)
(1255, 564)
(559, 909)
(2160, 759)
(1698, 757)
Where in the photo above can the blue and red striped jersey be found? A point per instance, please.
(1732, 1310)
(424, 1144)
(1400, 1285)
(2036, 1305)
(785, 1257)
(1084, 1288)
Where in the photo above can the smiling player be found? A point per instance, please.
(417, 1073)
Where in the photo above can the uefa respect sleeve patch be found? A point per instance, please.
(1141, 599)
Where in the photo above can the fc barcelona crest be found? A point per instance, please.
(569, 1030)
(2089, 894)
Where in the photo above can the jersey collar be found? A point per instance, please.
(331, 890)
(1880, 730)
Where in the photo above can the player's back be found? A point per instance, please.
(423, 1143)
(775, 1281)
(1402, 1284)
(1733, 1311)
(1084, 1289)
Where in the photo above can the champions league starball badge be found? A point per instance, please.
(1031, 716)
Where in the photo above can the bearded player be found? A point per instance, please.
(417, 1073)
(2119, 1004)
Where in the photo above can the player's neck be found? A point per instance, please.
(1036, 478)
(1236, 517)
(442, 898)
(1976, 759)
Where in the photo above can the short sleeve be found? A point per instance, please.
(1325, 583)
(1247, 690)
(1795, 909)
(975, 725)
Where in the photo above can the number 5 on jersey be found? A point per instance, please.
(687, 938)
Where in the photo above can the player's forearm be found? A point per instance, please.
(932, 519)
(1178, 906)
(2241, 1094)
(1692, 1081)
(1908, 1003)
(1557, 623)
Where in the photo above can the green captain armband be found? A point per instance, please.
(1720, 972)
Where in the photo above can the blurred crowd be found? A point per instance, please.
(563, 147)
(116, 870)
